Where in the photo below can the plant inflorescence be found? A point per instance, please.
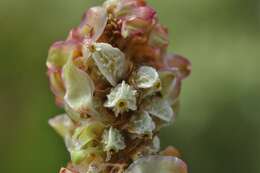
(118, 87)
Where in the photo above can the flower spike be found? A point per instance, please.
(118, 87)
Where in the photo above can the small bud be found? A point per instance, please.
(122, 98)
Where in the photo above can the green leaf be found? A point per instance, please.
(157, 164)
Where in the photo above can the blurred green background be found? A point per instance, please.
(218, 130)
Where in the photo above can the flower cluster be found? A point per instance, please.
(118, 87)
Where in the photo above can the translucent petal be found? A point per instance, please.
(171, 86)
(141, 124)
(60, 52)
(80, 155)
(159, 37)
(110, 61)
(125, 7)
(135, 26)
(88, 132)
(56, 84)
(62, 124)
(142, 12)
(77, 156)
(113, 140)
(122, 98)
(79, 89)
(181, 65)
(159, 108)
(157, 164)
(75, 116)
(146, 77)
(93, 23)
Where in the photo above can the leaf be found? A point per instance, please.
(157, 164)
(62, 124)
(79, 89)
(110, 61)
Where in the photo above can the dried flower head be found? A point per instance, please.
(118, 87)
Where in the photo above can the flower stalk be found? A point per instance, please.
(118, 87)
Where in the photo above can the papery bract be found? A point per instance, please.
(178, 63)
(156, 164)
(79, 89)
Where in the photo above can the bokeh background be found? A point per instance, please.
(218, 129)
